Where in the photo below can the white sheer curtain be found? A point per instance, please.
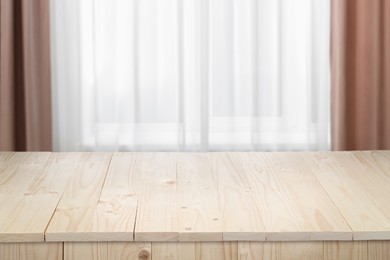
(190, 75)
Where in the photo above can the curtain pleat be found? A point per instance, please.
(25, 99)
(360, 74)
(192, 75)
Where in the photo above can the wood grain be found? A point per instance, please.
(335, 250)
(32, 213)
(249, 250)
(15, 218)
(292, 203)
(106, 251)
(194, 250)
(340, 176)
(372, 174)
(72, 220)
(115, 212)
(4, 156)
(18, 172)
(205, 199)
(345, 250)
(241, 218)
(157, 204)
(319, 214)
(215, 250)
(31, 251)
(292, 250)
(281, 250)
(278, 213)
(199, 216)
(173, 250)
(379, 250)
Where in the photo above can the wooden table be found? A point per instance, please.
(317, 205)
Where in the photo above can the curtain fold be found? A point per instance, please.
(25, 101)
(360, 60)
(192, 75)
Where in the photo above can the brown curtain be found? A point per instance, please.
(360, 60)
(25, 99)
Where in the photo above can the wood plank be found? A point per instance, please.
(320, 215)
(249, 250)
(197, 197)
(241, 218)
(199, 217)
(173, 250)
(72, 220)
(194, 250)
(292, 250)
(216, 250)
(114, 216)
(334, 171)
(338, 250)
(106, 250)
(371, 174)
(16, 176)
(4, 157)
(157, 206)
(19, 171)
(292, 202)
(377, 159)
(379, 250)
(278, 214)
(41, 198)
(31, 251)
(345, 250)
(9, 179)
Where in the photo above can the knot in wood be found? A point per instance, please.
(144, 255)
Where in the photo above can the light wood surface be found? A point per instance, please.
(345, 250)
(115, 212)
(196, 197)
(345, 180)
(241, 217)
(340, 250)
(107, 251)
(292, 202)
(31, 251)
(157, 204)
(378, 250)
(18, 223)
(199, 213)
(292, 250)
(194, 250)
(249, 250)
(4, 156)
(72, 220)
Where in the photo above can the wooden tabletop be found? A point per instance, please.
(224, 196)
